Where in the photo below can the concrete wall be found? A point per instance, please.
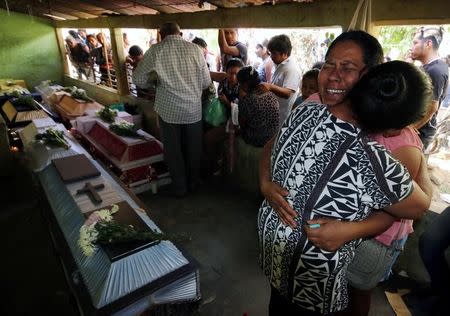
(28, 49)
(107, 96)
(101, 94)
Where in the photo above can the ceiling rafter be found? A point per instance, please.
(134, 7)
(61, 15)
(102, 7)
(162, 6)
(67, 9)
(111, 7)
(82, 6)
(85, 9)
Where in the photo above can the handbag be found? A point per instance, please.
(215, 113)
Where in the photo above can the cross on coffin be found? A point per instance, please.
(91, 191)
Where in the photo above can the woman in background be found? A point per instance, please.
(258, 109)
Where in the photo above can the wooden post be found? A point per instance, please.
(119, 61)
(105, 53)
(62, 50)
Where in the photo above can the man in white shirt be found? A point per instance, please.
(286, 78)
(181, 74)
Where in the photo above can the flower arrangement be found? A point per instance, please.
(78, 93)
(125, 129)
(101, 229)
(107, 114)
(53, 137)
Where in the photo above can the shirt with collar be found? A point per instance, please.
(181, 76)
(286, 75)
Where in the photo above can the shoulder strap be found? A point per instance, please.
(314, 196)
(327, 173)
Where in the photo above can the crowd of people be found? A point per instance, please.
(342, 170)
(87, 52)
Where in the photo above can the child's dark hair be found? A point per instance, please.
(234, 62)
(311, 74)
(392, 95)
(135, 50)
(250, 76)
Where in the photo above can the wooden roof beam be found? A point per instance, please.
(59, 14)
(83, 7)
(162, 6)
(110, 7)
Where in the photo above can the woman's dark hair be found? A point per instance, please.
(250, 76)
(200, 42)
(372, 50)
(281, 44)
(392, 95)
(74, 34)
(135, 50)
(234, 62)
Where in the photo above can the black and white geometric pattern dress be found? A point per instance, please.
(330, 170)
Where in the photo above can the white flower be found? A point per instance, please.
(114, 209)
(88, 236)
(88, 233)
(104, 215)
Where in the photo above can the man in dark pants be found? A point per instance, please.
(181, 74)
(432, 245)
(425, 49)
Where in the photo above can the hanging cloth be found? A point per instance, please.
(364, 13)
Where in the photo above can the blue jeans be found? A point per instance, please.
(432, 245)
(398, 245)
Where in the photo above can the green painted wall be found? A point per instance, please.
(28, 49)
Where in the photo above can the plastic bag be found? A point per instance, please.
(215, 113)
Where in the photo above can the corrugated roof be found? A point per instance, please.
(87, 9)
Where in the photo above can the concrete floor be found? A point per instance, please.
(221, 225)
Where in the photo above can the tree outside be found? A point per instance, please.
(397, 40)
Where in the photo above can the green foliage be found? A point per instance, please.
(107, 114)
(397, 38)
(78, 93)
(329, 38)
(125, 129)
(113, 233)
(53, 137)
(26, 101)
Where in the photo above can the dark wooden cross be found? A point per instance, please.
(91, 191)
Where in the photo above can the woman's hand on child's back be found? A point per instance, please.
(327, 234)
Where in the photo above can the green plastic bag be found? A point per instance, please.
(215, 113)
